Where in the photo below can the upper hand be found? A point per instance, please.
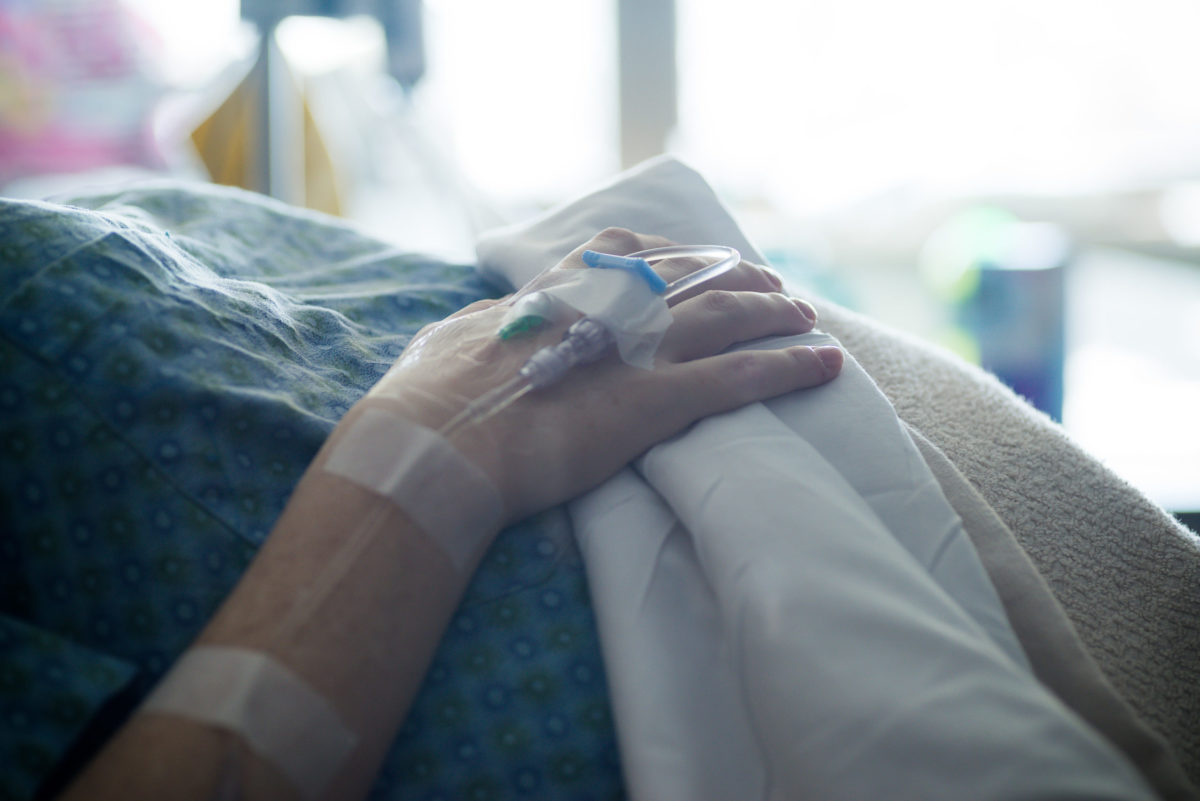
(554, 443)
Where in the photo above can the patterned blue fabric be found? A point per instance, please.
(51, 689)
(171, 358)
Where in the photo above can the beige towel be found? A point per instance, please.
(1050, 642)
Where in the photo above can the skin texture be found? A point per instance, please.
(352, 597)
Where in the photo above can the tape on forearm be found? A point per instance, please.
(279, 717)
(441, 491)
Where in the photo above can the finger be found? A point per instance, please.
(710, 323)
(743, 277)
(720, 383)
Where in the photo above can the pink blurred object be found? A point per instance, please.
(76, 88)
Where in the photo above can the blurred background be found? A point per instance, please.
(1017, 181)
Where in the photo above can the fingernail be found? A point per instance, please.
(831, 358)
(806, 309)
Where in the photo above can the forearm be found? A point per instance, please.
(348, 595)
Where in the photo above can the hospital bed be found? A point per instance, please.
(173, 355)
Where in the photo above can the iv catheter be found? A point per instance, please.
(588, 339)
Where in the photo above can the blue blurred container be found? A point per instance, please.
(1009, 282)
(1017, 317)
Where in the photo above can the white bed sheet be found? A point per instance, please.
(787, 604)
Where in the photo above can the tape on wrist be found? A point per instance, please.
(270, 708)
(442, 491)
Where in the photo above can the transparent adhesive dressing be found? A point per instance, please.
(624, 304)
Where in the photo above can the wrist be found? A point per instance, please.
(487, 444)
(450, 490)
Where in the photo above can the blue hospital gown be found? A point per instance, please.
(171, 358)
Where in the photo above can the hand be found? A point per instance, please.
(555, 443)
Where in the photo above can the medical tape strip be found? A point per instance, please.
(442, 491)
(280, 717)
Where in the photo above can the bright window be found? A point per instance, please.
(827, 101)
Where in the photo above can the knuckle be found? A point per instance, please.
(655, 241)
(620, 240)
(783, 306)
(756, 278)
(721, 301)
(746, 374)
(770, 280)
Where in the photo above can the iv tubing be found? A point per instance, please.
(727, 259)
(587, 339)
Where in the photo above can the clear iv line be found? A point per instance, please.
(587, 339)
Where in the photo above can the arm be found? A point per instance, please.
(364, 640)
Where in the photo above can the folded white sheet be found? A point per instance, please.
(788, 605)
